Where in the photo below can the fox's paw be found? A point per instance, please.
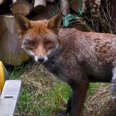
(113, 86)
(62, 114)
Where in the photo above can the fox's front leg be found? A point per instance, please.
(113, 83)
(78, 98)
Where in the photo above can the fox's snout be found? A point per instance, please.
(40, 59)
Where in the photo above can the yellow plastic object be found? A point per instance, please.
(2, 76)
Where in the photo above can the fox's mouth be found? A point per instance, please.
(40, 60)
(37, 59)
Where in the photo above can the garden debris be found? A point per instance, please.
(100, 103)
(38, 77)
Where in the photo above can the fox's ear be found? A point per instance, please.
(23, 24)
(55, 22)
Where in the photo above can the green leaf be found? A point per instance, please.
(80, 11)
(67, 19)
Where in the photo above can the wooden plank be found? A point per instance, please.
(9, 97)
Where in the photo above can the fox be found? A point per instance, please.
(76, 57)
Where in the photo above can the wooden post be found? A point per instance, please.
(10, 47)
(64, 6)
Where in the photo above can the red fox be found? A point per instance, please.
(76, 57)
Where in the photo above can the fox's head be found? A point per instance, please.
(39, 38)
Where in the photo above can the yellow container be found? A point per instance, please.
(2, 76)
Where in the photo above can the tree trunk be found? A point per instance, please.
(10, 46)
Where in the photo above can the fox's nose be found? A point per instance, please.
(40, 60)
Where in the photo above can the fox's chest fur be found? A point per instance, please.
(93, 53)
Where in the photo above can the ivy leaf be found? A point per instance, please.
(67, 19)
(80, 11)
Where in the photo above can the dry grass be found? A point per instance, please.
(96, 104)
(38, 77)
(43, 95)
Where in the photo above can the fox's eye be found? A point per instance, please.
(32, 43)
(47, 43)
